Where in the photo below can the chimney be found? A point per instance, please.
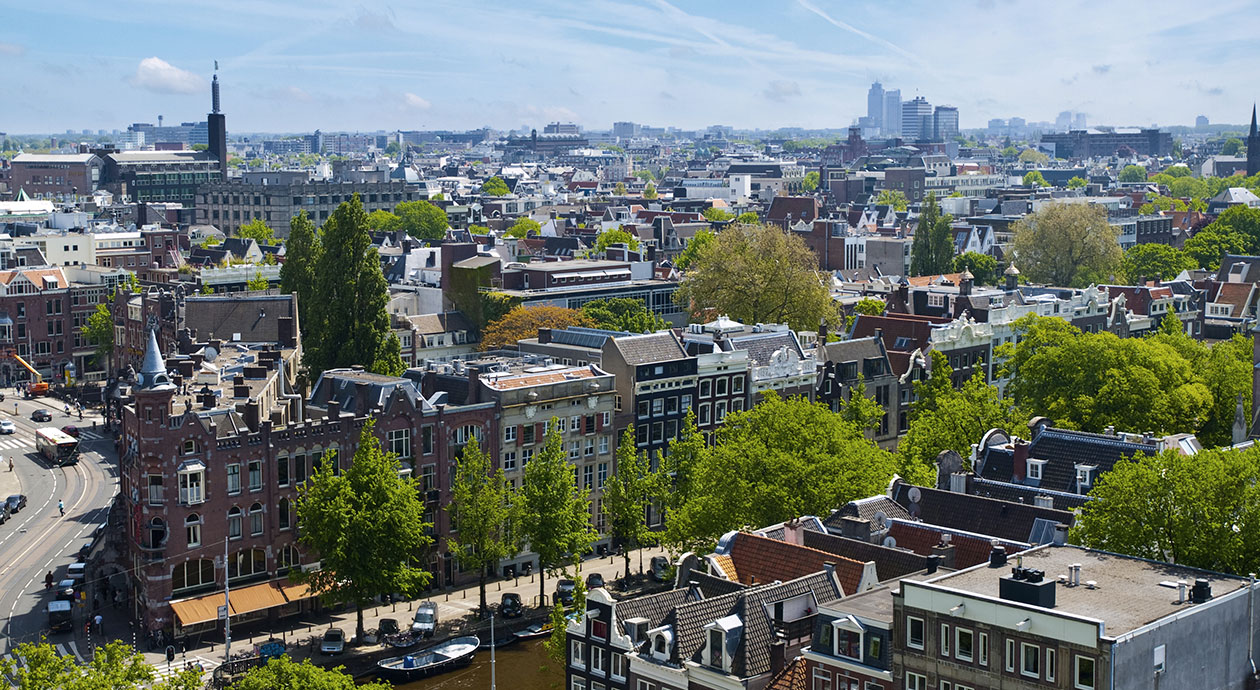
(1042, 501)
(474, 386)
(778, 656)
(1201, 591)
(544, 336)
(997, 557)
(1182, 586)
(945, 555)
(1020, 467)
(958, 482)
(822, 333)
(1060, 534)
(251, 415)
(855, 528)
(933, 563)
(284, 332)
(792, 532)
(334, 410)
(1076, 574)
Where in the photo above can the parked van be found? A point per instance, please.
(426, 619)
(59, 616)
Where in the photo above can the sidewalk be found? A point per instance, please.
(456, 611)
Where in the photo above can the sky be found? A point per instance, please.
(345, 66)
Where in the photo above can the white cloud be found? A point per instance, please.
(11, 48)
(159, 76)
(413, 101)
(781, 90)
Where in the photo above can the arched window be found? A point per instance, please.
(290, 557)
(192, 529)
(234, 522)
(660, 644)
(157, 532)
(466, 433)
(247, 563)
(256, 519)
(285, 517)
(192, 574)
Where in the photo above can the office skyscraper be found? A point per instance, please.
(892, 112)
(916, 119)
(945, 123)
(875, 105)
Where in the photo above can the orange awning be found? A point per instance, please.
(256, 598)
(244, 600)
(197, 610)
(295, 592)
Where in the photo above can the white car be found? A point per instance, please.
(7, 427)
(334, 642)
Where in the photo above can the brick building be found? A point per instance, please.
(42, 313)
(40, 174)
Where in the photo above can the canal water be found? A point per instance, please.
(522, 666)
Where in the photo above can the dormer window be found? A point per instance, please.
(1035, 469)
(1085, 477)
(717, 648)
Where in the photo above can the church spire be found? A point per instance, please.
(153, 370)
(1253, 121)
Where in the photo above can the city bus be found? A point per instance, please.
(57, 447)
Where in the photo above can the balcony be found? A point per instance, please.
(193, 496)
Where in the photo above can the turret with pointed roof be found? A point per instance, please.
(1253, 146)
(153, 372)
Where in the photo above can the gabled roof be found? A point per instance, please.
(977, 514)
(794, 676)
(758, 559)
(1063, 449)
(969, 549)
(653, 347)
(890, 563)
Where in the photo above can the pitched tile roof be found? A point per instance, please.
(1063, 449)
(653, 607)
(969, 549)
(890, 563)
(762, 559)
(653, 347)
(1004, 491)
(792, 677)
(976, 514)
(762, 346)
(866, 508)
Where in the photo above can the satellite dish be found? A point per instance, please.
(879, 521)
(915, 494)
(890, 542)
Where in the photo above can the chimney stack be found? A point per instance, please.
(778, 656)
(334, 410)
(1020, 470)
(1060, 534)
(997, 557)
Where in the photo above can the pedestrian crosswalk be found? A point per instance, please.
(165, 670)
(70, 649)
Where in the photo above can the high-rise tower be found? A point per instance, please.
(216, 127)
(875, 104)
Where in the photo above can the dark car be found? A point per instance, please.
(510, 605)
(41, 415)
(16, 502)
(564, 592)
(71, 430)
(594, 581)
(387, 626)
(4, 513)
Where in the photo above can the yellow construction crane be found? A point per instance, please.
(38, 386)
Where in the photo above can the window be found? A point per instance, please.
(1085, 673)
(527, 434)
(588, 448)
(603, 474)
(575, 450)
(720, 388)
(914, 632)
(984, 649)
(603, 445)
(255, 475)
(1030, 660)
(645, 685)
(703, 417)
(426, 439)
(256, 519)
(915, 681)
(509, 433)
(285, 514)
(874, 646)
(618, 665)
(599, 659)
(964, 641)
(400, 443)
(509, 461)
(234, 479)
(192, 574)
(706, 388)
(849, 644)
(822, 679)
(605, 419)
(466, 433)
(1052, 658)
(190, 446)
(576, 657)
(191, 484)
(658, 407)
(234, 523)
(1010, 655)
(944, 639)
(717, 646)
(737, 384)
(299, 468)
(192, 530)
(1034, 469)
(588, 477)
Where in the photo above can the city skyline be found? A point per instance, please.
(808, 64)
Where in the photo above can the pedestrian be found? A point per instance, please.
(61, 506)
(100, 625)
(10, 463)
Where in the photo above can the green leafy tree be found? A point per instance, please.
(619, 189)
(257, 283)
(623, 314)
(351, 325)
(1243, 220)
(200, 147)
(1232, 146)
(717, 215)
(555, 512)
(495, 186)
(627, 494)
(1033, 156)
(1160, 203)
(612, 236)
(115, 665)
(422, 220)
(392, 148)
(933, 249)
(1201, 511)
(983, 267)
(301, 257)
(679, 464)
(758, 274)
(1034, 178)
(437, 196)
(99, 330)
(687, 258)
(1154, 261)
(483, 515)
(649, 191)
(257, 231)
(777, 461)
(1132, 173)
(810, 182)
(1071, 245)
(1208, 246)
(859, 410)
(1077, 183)
(367, 525)
(955, 419)
(283, 673)
(747, 217)
(644, 174)
(384, 221)
(894, 198)
(523, 227)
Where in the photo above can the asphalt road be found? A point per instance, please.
(37, 539)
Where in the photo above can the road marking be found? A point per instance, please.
(75, 648)
(61, 649)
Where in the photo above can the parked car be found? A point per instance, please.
(510, 605)
(41, 415)
(16, 502)
(4, 513)
(594, 581)
(71, 430)
(8, 427)
(660, 568)
(426, 619)
(387, 626)
(334, 642)
(77, 571)
(66, 590)
(564, 592)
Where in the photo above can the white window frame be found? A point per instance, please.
(234, 478)
(617, 667)
(1076, 673)
(983, 641)
(577, 654)
(958, 633)
(1052, 660)
(599, 660)
(1035, 468)
(509, 433)
(1029, 652)
(1010, 655)
(916, 681)
(945, 639)
(910, 621)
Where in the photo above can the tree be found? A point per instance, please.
(954, 420)
(870, 306)
(619, 189)
(1154, 261)
(1208, 246)
(257, 283)
(859, 410)
(555, 512)
(1160, 203)
(758, 274)
(483, 515)
(422, 220)
(367, 525)
(689, 253)
(283, 673)
(437, 196)
(717, 215)
(678, 466)
(1077, 183)
(892, 197)
(613, 236)
(1243, 220)
(351, 325)
(523, 227)
(747, 217)
(1133, 173)
(1201, 511)
(983, 267)
(627, 495)
(392, 149)
(1033, 156)
(495, 186)
(301, 258)
(623, 314)
(383, 221)
(779, 460)
(644, 174)
(115, 665)
(933, 249)
(1034, 178)
(200, 147)
(649, 191)
(810, 182)
(258, 231)
(1231, 147)
(1071, 245)
(99, 330)
(523, 322)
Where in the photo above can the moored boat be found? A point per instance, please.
(448, 655)
(535, 630)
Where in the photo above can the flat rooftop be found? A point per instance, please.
(1130, 592)
(524, 377)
